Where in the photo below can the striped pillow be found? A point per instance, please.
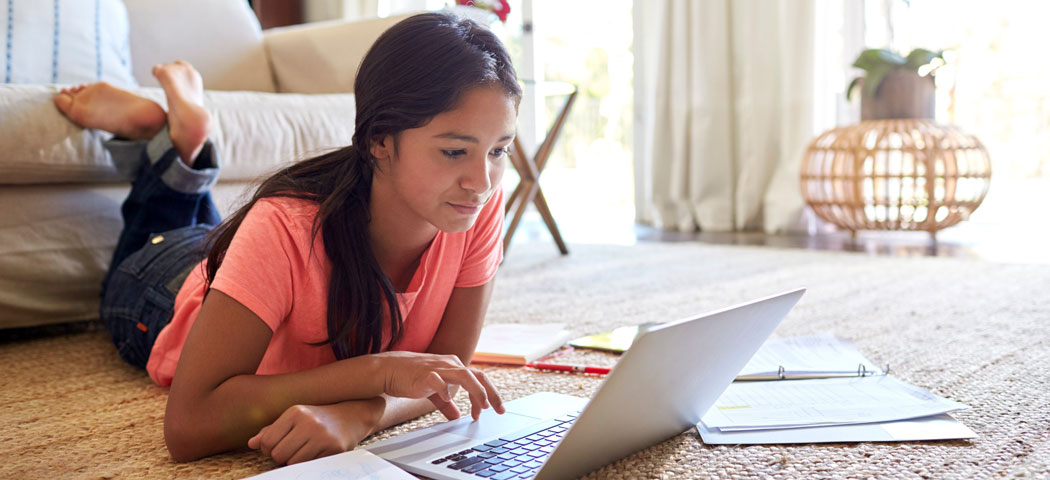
(64, 42)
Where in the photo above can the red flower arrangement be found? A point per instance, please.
(500, 7)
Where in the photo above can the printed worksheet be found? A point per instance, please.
(829, 401)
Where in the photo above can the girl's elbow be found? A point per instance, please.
(179, 442)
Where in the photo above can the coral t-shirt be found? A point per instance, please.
(270, 269)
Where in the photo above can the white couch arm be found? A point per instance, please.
(322, 57)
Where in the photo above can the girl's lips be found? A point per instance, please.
(466, 209)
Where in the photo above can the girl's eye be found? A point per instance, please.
(499, 152)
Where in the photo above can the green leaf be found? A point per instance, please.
(874, 58)
(920, 57)
(878, 62)
(852, 85)
(874, 78)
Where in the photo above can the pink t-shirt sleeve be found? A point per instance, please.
(484, 246)
(260, 263)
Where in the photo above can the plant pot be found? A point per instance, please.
(902, 94)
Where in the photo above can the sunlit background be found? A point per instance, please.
(994, 86)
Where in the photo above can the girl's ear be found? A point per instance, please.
(383, 147)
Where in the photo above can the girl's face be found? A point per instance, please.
(445, 171)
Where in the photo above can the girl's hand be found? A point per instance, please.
(305, 432)
(426, 375)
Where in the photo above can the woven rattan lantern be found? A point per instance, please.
(900, 174)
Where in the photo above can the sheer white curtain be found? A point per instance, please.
(723, 111)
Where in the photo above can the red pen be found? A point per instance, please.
(570, 368)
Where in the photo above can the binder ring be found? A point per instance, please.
(780, 372)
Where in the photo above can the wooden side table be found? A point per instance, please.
(528, 189)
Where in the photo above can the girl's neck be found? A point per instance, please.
(398, 236)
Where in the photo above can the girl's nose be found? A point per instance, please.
(476, 177)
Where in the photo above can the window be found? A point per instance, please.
(588, 180)
(993, 86)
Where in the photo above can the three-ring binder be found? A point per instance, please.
(782, 374)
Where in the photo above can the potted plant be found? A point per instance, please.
(896, 86)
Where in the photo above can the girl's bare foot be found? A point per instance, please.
(105, 107)
(188, 121)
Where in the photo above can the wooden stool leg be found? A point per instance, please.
(521, 163)
(528, 189)
(543, 153)
(512, 198)
(541, 205)
(519, 210)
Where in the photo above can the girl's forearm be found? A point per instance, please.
(228, 415)
(398, 410)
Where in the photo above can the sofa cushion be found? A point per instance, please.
(255, 133)
(64, 42)
(221, 38)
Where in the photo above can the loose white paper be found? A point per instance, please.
(353, 464)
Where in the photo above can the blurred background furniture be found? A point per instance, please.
(900, 174)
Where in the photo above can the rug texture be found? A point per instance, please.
(971, 331)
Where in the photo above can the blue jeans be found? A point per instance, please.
(167, 215)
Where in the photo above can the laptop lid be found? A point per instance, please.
(665, 383)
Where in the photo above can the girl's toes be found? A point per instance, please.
(64, 102)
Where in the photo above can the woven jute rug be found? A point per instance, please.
(971, 331)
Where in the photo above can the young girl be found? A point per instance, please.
(348, 294)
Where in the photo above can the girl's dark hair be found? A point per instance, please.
(416, 70)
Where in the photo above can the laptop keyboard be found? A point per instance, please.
(515, 456)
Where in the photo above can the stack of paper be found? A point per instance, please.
(835, 408)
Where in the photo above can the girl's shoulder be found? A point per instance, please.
(283, 223)
(271, 215)
(289, 207)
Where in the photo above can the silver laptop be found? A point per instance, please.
(660, 387)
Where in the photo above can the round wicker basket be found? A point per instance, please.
(899, 174)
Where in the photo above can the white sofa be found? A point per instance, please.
(276, 96)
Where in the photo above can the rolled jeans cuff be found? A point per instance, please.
(178, 176)
(127, 158)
